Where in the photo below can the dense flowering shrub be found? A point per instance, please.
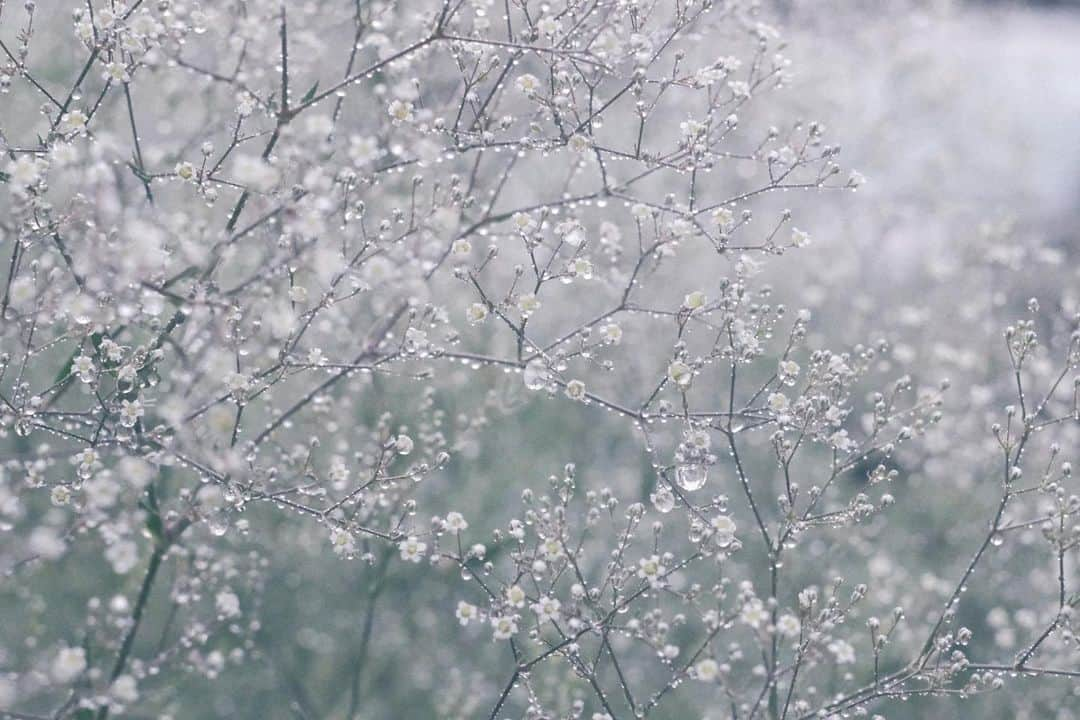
(281, 279)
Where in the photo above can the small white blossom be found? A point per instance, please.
(411, 549)
(465, 612)
(69, 664)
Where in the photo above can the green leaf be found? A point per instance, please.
(310, 93)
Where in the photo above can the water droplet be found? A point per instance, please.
(691, 476)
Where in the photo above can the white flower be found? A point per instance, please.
(400, 111)
(524, 222)
(571, 232)
(582, 268)
(124, 689)
(575, 390)
(363, 150)
(552, 549)
(130, 412)
(695, 300)
(227, 604)
(700, 439)
(504, 626)
(747, 266)
(546, 608)
(650, 570)
(692, 128)
(778, 402)
(73, 121)
(21, 292)
(682, 228)
(548, 25)
(319, 126)
(184, 170)
(527, 83)
(707, 670)
(680, 373)
(788, 625)
(515, 596)
(739, 89)
(83, 366)
(799, 238)
(60, 495)
(465, 612)
(412, 549)
(455, 522)
(841, 441)
(579, 143)
(528, 304)
(123, 555)
(788, 370)
(24, 172)
(403, 444)
(68, 664)
(255, 173)
(754, 613)
(461, 247)
(476, 313)
(723, 217)
(723, 530)
(842, 650)
(342, 541)
(86, 457)
(611, 333)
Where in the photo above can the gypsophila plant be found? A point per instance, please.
(284, 282)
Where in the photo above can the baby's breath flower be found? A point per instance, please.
(524, 222)
(707, 670)
(515, 596)
(611, 333)
(546, 609)
(400, 110)
(465, 612)
(504, 627)
(680, 373)
(842, 651)
(527, 83)
(754, 613)
(130, 412)
(695, 300)
(455, 522)
(69, 664)
(652, 571)
(342, 541)
(575, 390)
(788, 625)
(60, 495)
(73, 121)
(411, 549)
(476, 313)
(528, 304)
